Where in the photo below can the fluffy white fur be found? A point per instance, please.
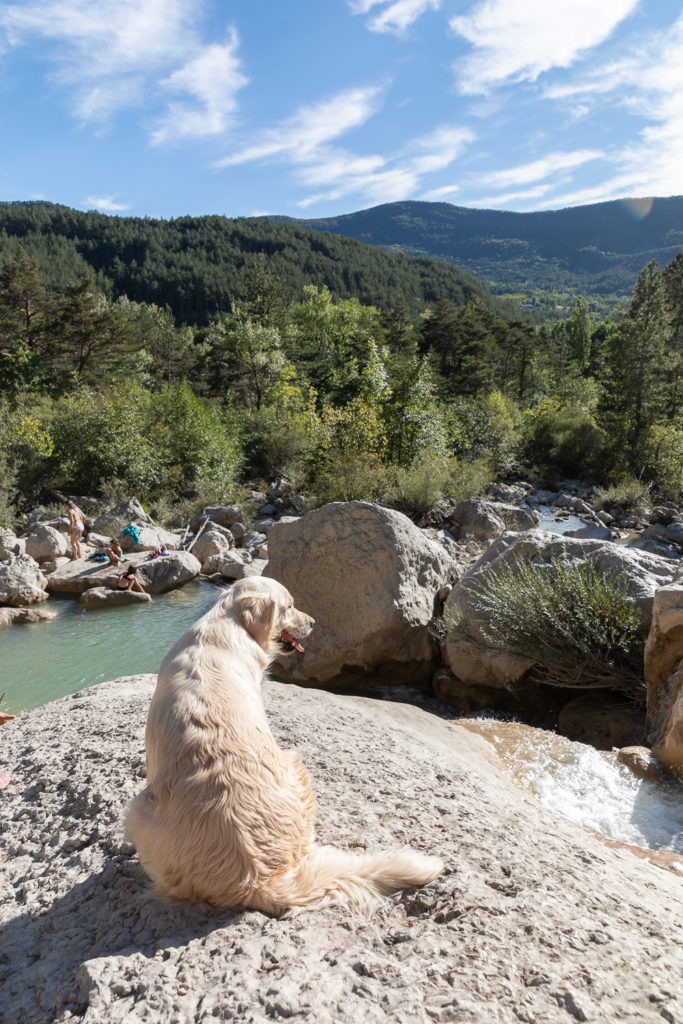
(227, 817)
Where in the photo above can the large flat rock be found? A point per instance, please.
(157, 575)
(533, 920)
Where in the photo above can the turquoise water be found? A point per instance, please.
(41, 662)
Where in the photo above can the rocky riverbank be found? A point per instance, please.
(533, 920)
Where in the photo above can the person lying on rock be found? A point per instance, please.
(128, 580)
(114, 552)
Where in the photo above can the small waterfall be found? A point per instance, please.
(590, 787)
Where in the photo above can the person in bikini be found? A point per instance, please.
(76, 527)
(128, 580)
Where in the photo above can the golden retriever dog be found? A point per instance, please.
(227, 816)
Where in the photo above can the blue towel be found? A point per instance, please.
(133, 530)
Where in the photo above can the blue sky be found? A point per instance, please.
(319, 107)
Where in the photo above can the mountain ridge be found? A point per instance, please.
(594, 249)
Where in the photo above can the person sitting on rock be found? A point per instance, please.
(128, 580)
(114, 552)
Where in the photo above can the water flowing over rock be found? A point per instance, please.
(534, 919)
(473, 661)
(370, 579)
(21, 581)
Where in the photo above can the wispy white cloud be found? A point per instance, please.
(523, 197)
(213, 78)
(311, 127)
(107, 203)
(308, 141)
(396, 16)
(647, 83)
(517, 40)
(538, 170)
(114, 54)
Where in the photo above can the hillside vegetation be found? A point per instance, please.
(542, 258)
(195, 265)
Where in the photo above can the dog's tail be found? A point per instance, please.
(330, 875)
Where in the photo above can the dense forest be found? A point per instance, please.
(543, 259)
(194, 265)
(107, 395)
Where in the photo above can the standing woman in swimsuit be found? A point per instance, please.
(76, 526)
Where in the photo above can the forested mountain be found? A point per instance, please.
(196, 265)
(586, 250)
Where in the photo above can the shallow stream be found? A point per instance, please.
(41, 662)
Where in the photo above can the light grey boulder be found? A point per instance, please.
(516, 518)
(264, 525)
(466, 652)
(664, 677)
(103, 597)
(119, 516)
(591, 531)
(211, 542)
(168, 572)
(149, 539)
(656, 547)
(25, 616)
(228, 559)
(370, 578)
(11, 545)
(475, 519)
(224, 515)
(44, 543)
(252, 539)
(674, 533)
(542, 497)
(99, 540)
(157, 574)
(21, 581)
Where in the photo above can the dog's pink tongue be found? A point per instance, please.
(290, 640)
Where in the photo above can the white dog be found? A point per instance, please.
(227, 817)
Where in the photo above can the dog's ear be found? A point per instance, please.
(257, 614)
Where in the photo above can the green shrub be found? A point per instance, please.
(565, 438)
(626, 493)
(583, 628)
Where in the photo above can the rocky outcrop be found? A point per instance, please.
(224, 515)
(10, 545)
(101, 597)
(157, 575)
(115, 519)
(25, 616)
(370, 579)
(149, 539)
(534, 919)
(212, 541)
(473, 661)
(602, 720)
(21, 581)
(44, 543)
(664, 676)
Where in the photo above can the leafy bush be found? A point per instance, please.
(483, 428)
(581, 626)
(626, 493)
(663, 460)
(565, 438)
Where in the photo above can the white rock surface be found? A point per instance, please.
(21, 581)
(119, 516)
(44, 543)
(533, 920)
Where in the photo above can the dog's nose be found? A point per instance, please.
(312, 622)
